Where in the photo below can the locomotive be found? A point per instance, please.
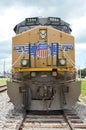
(43, 65)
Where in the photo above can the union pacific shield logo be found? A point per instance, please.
(42, 50)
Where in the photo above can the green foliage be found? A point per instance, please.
(83, 72)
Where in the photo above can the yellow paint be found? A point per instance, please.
(42, 64)
(39, 69)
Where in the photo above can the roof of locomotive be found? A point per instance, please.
(32, 22)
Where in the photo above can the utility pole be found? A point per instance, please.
(80, 72)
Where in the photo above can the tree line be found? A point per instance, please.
(83, 72)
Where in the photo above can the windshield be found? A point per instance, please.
(63, 28)
(59, 27)
(54, 22)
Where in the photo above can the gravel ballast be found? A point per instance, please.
(10, 118)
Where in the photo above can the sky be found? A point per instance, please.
(14, 11)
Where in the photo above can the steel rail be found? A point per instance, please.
(68, 121)
(3, 88)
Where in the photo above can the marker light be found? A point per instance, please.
(24, 62)
(62, 61)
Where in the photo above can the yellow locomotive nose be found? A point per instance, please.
(43, 65)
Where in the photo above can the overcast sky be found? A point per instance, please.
(14, 11)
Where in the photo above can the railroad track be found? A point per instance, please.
(3, 88)
(67, 120)
(74, 121)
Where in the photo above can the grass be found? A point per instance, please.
(83, 91)
(83, 88)
(3, 81)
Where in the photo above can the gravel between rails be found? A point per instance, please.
(10, 117)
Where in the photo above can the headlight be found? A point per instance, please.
(24, 62)
(43, 34)
(62, 61)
